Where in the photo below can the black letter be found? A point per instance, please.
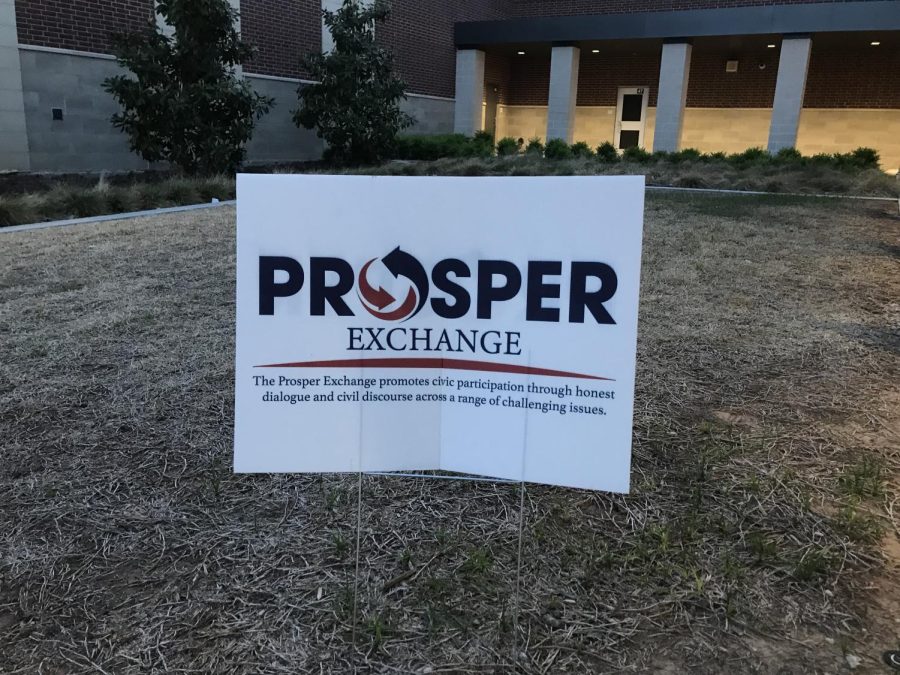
(268, 289)
(487, 292)
(319, 292)
(538, 290)
(440, 276)
(579, 298)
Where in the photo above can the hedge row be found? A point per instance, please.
(482, 145)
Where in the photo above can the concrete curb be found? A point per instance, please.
(778, 194)
(115, 216)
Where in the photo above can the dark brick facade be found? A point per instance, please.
(85, 25)
(282, 31)
(420, 33)
(866, 78)
(601, 75)
(525, 8)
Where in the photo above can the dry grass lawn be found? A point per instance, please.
(761, 535)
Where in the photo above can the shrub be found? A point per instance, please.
(432, 147)
(557, 148)
(788, 156)
(185, 104)
(534, 147)
(507, 146)
(685, 155)
(713, 157)
(636, 154)
(866, 158)
(606, 152)
(582, 149)
(749, 156)
(355, 103)
(482, 144)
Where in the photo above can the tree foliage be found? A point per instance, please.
(355, 104)
(183, 102)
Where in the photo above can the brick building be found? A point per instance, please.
(717, 75)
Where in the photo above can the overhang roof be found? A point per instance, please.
(867, 15)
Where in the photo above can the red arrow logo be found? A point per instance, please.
(379, 298)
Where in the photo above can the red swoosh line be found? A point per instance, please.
(437, 363)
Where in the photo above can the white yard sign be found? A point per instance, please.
(479, 325)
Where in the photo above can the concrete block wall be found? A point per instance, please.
(433, 115)
(276, 138)
(84, 140)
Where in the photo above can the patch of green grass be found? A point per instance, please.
(858, 525)
(478, 562)
(813, 565)
(341, 544)
(864, 479)
(762, 546)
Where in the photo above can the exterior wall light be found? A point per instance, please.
(521, 53)
(595, 51)
(771, 46)
(875, 43)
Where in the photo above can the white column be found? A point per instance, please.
(789, 89)
(563, 92)
(467, 111)
(674, 72)
(14, 153)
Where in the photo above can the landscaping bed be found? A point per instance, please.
(28, 198)
(760, 536)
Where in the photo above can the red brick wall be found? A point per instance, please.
(85, 25)
(282, 31)
(751, 86)
(601, 75)
(522, 8)
(420, 33)
(837, 78)
(866, 78)
(497, 72)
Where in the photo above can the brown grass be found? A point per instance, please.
(765, 473)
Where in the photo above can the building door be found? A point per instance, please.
(631, 115)
(491, 97)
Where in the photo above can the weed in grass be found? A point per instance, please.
(813, 565)
(333, 498)
(442, 536)
(376, 627)
(858, 525)
(864, 479)
(763, 547)
(341, 544)
(478, 562)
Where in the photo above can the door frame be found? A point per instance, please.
(631, 126)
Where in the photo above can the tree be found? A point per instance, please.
(187, 105)
(354, 106)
